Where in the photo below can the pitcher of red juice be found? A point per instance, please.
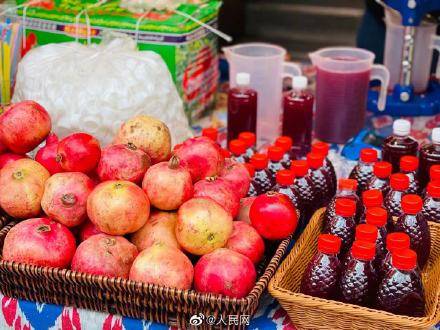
(342, 82)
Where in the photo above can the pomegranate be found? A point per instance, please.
(78, 152)
(168, 185)
(245, 206)
(118, 207)
(163, 265)
(246, 240)
(65, 197)
(3, 148)
(41, 242)
(47, 155)
(159, 229)
(201, 156)
(225, 272)
(105, 255)
(219, 190)
(24, 126)
(123, 162)
(273, 215)
(202, 226)
(9, 158)
(238, 176)
(148, 134)
(86, 230)
(21, 188)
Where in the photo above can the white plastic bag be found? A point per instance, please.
(96, 88)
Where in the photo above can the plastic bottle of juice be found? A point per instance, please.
(298, 115)
(238, 151)
(242, 107)
(250, 139)
(322, 274)
(320, 178)
(358, 280)
(211, 133)
(365, 233)
(373, 198)
(431, 203)
(401, 290)
(275, 155)
(285, 179)
(377, 216)
(363, 171)
(409, 166)
(285, 143)
(346, 189)
(304, 187)
(343, 224)
(262, 178)
(253, 186)
(381, 177)
(323, 149)
(399, 144)
(429, 155)
(395, 241)
(399, 184)
(413, 223)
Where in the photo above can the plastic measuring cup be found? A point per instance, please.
(425, 40)
(267, 68)
(342, 83)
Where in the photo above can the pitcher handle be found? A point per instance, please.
(381, 73)
(436, 45)
(290, 70)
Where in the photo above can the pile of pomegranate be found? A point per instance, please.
(136, 209)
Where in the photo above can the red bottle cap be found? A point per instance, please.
(259, 161)
(409, 163)
(251, 169)
(330, 244)
(382, 169)
(345, 207)
(404, 259)
(399, 181)
(372, 198)
(237, 147)
(367, 233)
(285, 177)
(376, 216)
(363, 250)
(275, 153)
(433, 189)
(368, 155)
(315, 160)
(248, 137)
(225, 153)
(434, 172)
(411, 204)
(397, 240)
(299, 167)
(347, 184)
(211, 133)
(321, 148)
(284, 142)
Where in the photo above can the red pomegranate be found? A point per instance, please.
(65, 197)
(225, 272)
(202, 226)
(159, 229)
(105, 255)
(273, 216)
(78, 152)
(22, 187)
(24, 126)
(238, 176)
(40, 241)
(47, 155)
(219, 190)
(245, 206)
(246, 240)
(168, 184)
(3, 148)
(118, 207)
(123, 162)
(201, 156)
(86, 230)
(163, 265)
(9, 158)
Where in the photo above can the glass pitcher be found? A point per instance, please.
(342, 82)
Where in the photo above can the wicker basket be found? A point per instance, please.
(133, 299)
(308, 312)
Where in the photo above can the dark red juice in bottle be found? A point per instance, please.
(285, 143)
(381, 177)
(304, 188)
(346, 189)
(275, 155)
(363, 171)
(242, 107)
(431, 203)
(285, 179)
(399, 144)
(413, 223)
(238, 151)
(377, 216)
(429, 156)
(262, 178)
(395, 241)
(252, 186)
(323, 148)
(365, 233)
(409, 166)
(320, 178)
(322, 274)
(250, 139)
(399, 184)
